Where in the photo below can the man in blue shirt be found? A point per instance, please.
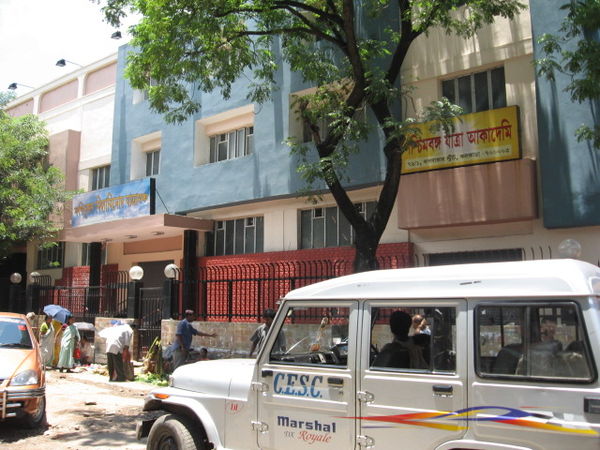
(183, 342)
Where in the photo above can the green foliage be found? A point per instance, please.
(30, 189)
(153, 378)
(575, 51)
(350, 51)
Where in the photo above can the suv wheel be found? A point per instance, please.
(171, 432)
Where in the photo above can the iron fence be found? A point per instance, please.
(150, 317)
(84, 302)
(241, 292)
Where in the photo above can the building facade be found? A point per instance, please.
(78, 111)
(225, 186)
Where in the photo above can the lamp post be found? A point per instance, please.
(136, 273)
(170, 291)
(33, 293)
(14, 292)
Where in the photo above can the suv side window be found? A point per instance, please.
(413, 338)
(532, 341)
(313, 336)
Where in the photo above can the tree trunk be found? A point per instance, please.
(365, 243)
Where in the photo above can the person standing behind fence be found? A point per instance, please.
(183, 339)
(260, 334)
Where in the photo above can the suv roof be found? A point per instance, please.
(547, 278)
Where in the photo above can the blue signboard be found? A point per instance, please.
(124, 201)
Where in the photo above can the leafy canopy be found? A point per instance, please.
(575, 51)
(350, 51)
(187, 46)
(30, 189)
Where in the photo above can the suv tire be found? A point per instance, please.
(171, 432)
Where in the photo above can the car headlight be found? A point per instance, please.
(24, 378)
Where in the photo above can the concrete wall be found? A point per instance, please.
(570, 169)
(233, 340)
(187, 184)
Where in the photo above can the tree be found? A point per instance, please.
(30, 189)
(351, 50)
(575, 51)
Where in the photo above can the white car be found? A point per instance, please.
(509, 361)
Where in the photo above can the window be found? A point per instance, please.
(238, 236)
(313, 336)
(145, 155)
(413, 338)
(542, 341)
(100, 177)
(14, 334)
(478, 91)
(51, 257)
(152, 162)
(328, 227)
(231, 145)
(141, 95)
(509, 254)
(85, 254)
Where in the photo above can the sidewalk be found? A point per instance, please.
(87, 373)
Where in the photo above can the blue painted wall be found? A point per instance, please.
(268, 173)
(570, 171)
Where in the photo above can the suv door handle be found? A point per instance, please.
(591, 405)
(335, 380)
(443, 390)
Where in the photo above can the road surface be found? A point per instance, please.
(84, 411)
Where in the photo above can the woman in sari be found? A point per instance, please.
(47, 334)
(57, 338)
(69, 341)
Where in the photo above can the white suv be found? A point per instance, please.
(500, 356)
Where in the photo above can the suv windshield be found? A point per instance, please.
(13, 333)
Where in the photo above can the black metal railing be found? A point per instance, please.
(150, 317)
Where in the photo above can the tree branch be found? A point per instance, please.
(407, 36)
(393, 153)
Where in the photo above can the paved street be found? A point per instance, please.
(84, 411)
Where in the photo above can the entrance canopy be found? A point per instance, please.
(136, 229)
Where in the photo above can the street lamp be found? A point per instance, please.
(569, 248)
(136, 273)
(34, 277)
(134, 292)
(171, 271)
(13, 86)
(16, 278)
(63, 63)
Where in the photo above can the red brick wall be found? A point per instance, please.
(79, 276)
(390, 256)
(240, 287)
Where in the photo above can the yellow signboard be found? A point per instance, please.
(477, 138)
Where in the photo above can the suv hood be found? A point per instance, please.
(229, 378)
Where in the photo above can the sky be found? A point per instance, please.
(34, 34)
